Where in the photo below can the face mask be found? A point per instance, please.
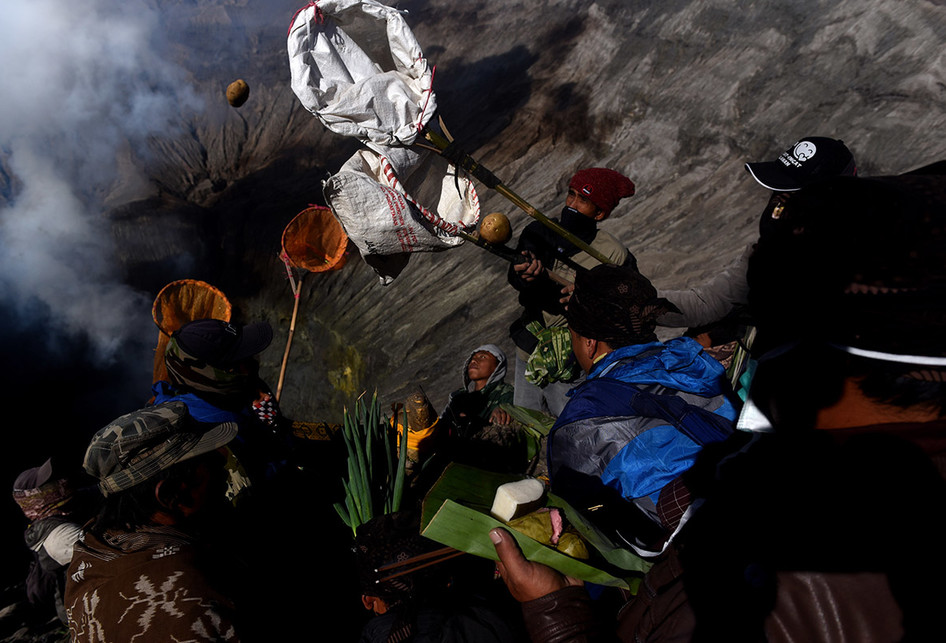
(578, 224)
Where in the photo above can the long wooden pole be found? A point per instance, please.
(509, 255)
(491, 181)
(296, 291)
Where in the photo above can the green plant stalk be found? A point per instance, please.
(387, 428)
(369, 442)
(365, 473)
(349, 505)
(342, 513)
(352, 491)
(401, 466)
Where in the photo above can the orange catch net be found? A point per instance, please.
(180, 302)
(315, 241)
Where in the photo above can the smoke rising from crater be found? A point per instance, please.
(83, 85)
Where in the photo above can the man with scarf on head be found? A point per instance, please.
(830, 525)
(479, 429)
(484, 389)
(542, 381)
(56, 508)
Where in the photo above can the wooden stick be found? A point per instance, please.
(427, 564)
(487, 177)
(296, 290)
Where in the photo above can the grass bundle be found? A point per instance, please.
(374, 484)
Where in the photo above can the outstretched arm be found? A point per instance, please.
(526, 580)
(556, 608)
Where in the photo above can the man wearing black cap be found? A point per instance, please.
(141, 571)
(829, 527)
(807, 161)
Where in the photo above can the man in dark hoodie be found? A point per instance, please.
(478, 427)
(544, 368)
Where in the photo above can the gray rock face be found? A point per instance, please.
(677, 95)
(123, 168)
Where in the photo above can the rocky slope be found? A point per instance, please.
(677, 95)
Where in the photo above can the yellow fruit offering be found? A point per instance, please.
(495, 228)
(572, 544)
(237, 92)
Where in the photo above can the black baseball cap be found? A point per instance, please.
(221, 343)
(808, 160)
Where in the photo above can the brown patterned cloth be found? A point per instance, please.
(151, 584)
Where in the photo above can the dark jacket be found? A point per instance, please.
(540, 297)
(617, 432)
(817, 536)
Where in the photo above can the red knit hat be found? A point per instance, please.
(602, 186)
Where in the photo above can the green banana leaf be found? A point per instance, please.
(535, 426)
(456, 513)
(537, 421)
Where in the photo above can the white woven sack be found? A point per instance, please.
(384, 214)
(357, 66)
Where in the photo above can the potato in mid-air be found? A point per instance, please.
(237, 92)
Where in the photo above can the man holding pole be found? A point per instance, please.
(545, 368)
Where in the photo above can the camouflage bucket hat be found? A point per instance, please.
(139, 445)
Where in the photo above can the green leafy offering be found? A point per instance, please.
(534, 421)
(375, 482)
(538, 526)
(534, 424)
(456, 514)
(572, 544)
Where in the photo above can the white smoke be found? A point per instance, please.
(80, 83)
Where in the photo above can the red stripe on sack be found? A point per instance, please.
(429, 91)
(389, 173)
(397, 218)
(319, 16)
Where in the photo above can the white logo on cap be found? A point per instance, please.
(804, 150)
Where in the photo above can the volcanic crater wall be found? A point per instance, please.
(677, 95)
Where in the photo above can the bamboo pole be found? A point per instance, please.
(296, 291)
(509, 255)
(490, 180)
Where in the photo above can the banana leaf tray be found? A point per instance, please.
(456, 513)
